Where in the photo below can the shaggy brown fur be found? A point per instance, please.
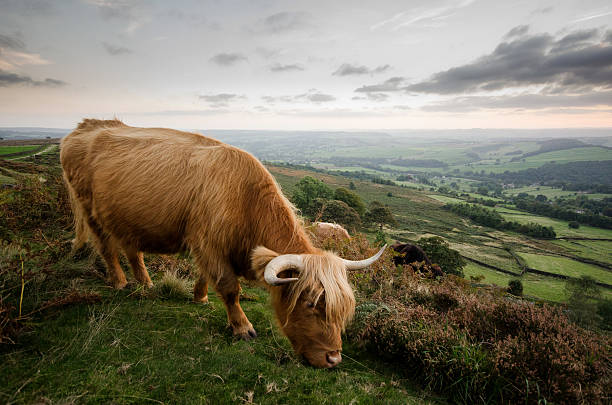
(163, 191)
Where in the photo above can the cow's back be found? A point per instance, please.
(142, 185)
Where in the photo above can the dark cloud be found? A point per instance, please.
(228, 59)
(543, 10)
(523, 102)
(378, 97)
(8, 79)
(389, 85)
(312, 95)
(116, 50)
(27, 7)
(115, 9)
(277, 67)
(517, 31)
(574, 40)
(11, 42)
(346, 69)
(284, 22)
(572, 63)
(608, 37)
(221, 99)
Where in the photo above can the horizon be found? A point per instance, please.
(308, 65)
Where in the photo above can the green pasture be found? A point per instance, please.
(560, 156)
(561, 227)
(566, 267)
(7, 150)
(598, 250)
(130, 349)
(551, 193)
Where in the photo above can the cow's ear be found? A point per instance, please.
(260, 257)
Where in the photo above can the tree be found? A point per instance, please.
(380, 215)
(352, 186)
(515, 287)
(351, 199)
(338, 212)
(574, 224)
(307, 191)
(440, 253)
(583, 295)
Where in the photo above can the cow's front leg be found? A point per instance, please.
(228, 288)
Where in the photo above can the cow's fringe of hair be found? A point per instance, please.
(81, 230)
(325, 273)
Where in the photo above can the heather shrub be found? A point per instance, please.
(474, 344)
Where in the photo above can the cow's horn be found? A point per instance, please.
(279, 264)
(360, 264)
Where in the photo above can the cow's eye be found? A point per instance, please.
(310, 304)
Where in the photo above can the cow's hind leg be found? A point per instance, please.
(110, 253)
(136, 260)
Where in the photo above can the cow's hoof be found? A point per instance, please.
(201, 300)
(119, 285)
(247, 334)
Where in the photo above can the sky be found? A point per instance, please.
(307, 65)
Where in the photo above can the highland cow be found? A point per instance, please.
(165, 191)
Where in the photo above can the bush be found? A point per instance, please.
(574, 225)
(474, 345)
(515, 287)
(440, 253)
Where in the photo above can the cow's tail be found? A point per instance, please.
(81, 229)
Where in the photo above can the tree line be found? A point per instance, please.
(492, 219)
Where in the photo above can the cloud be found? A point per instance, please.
(389, 85)
(542, 10)
(571, 63)
(283, 22)
(312, 95)
(8, 79)
(525, 101)
(10, 42)
(221, 99)
(378, 97)
(429, 17)
(116, 50)
(517, 31)
(592, 16)
(28, 7)
(135, 13)
(277, 67)
(346, 69)
(228, 59)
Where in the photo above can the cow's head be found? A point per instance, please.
(312, 298)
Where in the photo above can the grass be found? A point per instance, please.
(560, 226)
(6, 150)
(132, 348)
(551, 193)
(444, 199)
(490, 276)
(566, 267)
(590, 249)
(560, 156)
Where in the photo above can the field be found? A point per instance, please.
(561, 227)
(82, 344)
(6, 150)
(566, 267)
(179, 352)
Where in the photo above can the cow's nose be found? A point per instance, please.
(333, 358)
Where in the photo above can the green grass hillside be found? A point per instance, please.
(67, 337)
